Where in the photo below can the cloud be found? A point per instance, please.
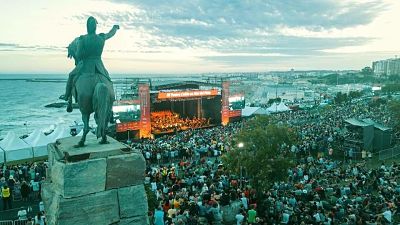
(4, 47)
(314, 14)
(210, 32)
(246, 26)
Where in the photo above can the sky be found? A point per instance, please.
(201, 36)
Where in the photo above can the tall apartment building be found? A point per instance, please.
(387, 67)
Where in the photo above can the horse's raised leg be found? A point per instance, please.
(86, 129)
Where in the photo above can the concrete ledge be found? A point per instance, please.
(96, 184)
(80, 178)
(132, 201)
(125, 170)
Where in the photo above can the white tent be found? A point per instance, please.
(282, 107)
(39, 142)
(2, 152)
(273, 108)
(261, 111)
(249, 111)
(14, 148)
(2, 155)
(61, 131)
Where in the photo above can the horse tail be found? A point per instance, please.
(102, 107)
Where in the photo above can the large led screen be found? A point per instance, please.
(236, 102)
(126, 113)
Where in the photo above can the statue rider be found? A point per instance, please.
(87, 56)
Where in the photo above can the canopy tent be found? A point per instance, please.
(275, 108)
(61, 131)
(357, 123)
(39, 142)
(2, 152)
(14, 148)
(2, 156)
(261, 111)
(249, 111)
(377, 125)
(282, 107)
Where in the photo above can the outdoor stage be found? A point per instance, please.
(167, 109)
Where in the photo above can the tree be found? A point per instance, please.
(394, 78)
(355, 94)
(261, 153)
(367, 71)
(340, 98)
(391, 88)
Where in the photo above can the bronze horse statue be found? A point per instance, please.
(90, 82)
(94, 94)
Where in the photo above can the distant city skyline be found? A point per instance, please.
(203, 35)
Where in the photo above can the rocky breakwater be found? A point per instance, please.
(95, 184)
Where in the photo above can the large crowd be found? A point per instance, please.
(323, 129)
(190, 185)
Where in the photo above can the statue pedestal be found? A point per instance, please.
(95, 184)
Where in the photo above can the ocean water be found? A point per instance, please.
(22, 105)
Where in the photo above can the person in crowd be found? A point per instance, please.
(40, 219)
(11, 182)
(6, 195)
(30, 221)
(22, 214)
(252, 214)
(41, 206)
(215, 214)
(35, 189)
(25, 191)
(240, 217)
(159, 216)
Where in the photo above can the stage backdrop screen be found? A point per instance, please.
(126, 113)
(236, 102)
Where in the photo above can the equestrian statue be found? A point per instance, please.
(89, 81)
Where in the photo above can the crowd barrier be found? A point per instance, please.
(20, 222)
(8, 222)
(15, 222)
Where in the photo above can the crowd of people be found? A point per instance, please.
(22, 183)
(324, 129)
(168, 122)
(191, 185)
(186, 176)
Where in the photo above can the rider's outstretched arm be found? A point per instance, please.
(112, 32)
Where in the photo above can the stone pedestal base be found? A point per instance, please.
(95, 184)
